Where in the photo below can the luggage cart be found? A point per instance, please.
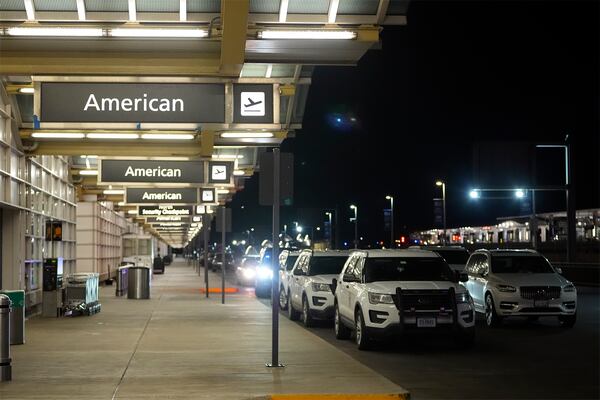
(81, 294)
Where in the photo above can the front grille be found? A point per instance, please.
(419, 300)
(540, 309)
(540, 292)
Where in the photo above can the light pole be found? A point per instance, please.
(443, 185)
(330, 230)
(353, 207)
(391, 199)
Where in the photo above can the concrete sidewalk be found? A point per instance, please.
(179, 345)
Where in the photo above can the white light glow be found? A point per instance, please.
(158, 33)
(112, 136)
(54, 31)
(167, 136)
(238, 172)
(113, 191)
(132, 212)
(247, 135)
(519, 193)
(27, 90)
(474, 194)
(307, 34)
(57, 135)
(88, 172)
(227, 156)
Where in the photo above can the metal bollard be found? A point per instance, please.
(5, 367)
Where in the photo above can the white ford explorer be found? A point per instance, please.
(507, 283)
(309, 289)
(381, 293)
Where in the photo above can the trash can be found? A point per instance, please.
(5, 367)
(138, 283)
(17, 315)
(122, 280)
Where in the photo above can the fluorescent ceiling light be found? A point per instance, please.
(114, 191)
(54, 31)
(26, 90)
(227, 156)
(222, 191)
(238, 172)
(249, 135)
(88, 172)
(89, 156)
(57, 135)
(112, 136)
(121, 203)
(158, 33)
(132, 212)
(167, 136)
(306, 34)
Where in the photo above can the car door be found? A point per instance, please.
(478, 283)
(344, 288)
(470, 270)
(298, 281)
(294, 273)
(355, 287)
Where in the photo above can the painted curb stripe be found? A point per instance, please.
(396, 396)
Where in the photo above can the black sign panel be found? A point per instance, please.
(149, 211)
(132, 102)
(167, 218)
(151, 171)
(161, 195)
(286, 179)
(438, 213)
(253, 103)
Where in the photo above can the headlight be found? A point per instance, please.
(569, 288)
(264, 273)
(321, 287)
(249, 273)
(463, 297)
(506, 288)
(377, 298)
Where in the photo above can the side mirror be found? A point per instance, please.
(350, 278)
(298, 272)
(333, 285)
(558, 270)
(463, 277)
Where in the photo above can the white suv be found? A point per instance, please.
(287, 260)
(381, 293)
(506, 283)
(310, 284)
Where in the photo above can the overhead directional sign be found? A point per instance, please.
(253, 103)
(167, 218)
(150, 171)
(133, 102)
(208, 196)
(155, 211)
(220, 171)
(161, 195)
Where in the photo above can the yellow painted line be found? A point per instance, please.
(396, 396)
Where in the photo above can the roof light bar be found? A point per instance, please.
(307, 34)
(158, 33)
(54, 31)
(246, 135)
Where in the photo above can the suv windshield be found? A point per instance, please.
(454, 256)
(326, 265)
(406, 269)
(520, 265)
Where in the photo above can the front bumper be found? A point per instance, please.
(511, 304)
(321, 305)
(386, 316)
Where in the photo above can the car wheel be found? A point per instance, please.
(492, 319)
(341, 331)
(283, 300)
(363, 341)
(306, 318)
(292, 314)
(567, 321)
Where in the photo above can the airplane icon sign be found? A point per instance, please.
(252, 104)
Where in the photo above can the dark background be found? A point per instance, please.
(459, 74)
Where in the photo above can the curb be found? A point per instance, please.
(366, 396)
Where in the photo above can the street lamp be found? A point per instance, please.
(329, 215)
(391, 199)
(299, 229)
(353, 207)
(443, 185)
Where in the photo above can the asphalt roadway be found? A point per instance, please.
(519, 360)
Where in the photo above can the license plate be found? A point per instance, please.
(540, 303)
(425, 322)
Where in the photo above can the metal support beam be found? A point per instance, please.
(183, 10)
(332, 13)
(234, 22)
(30, 10)
(283, 9)
(382, 11)
(81, 10)
(116, 148)
(132, 10)
(208, 143)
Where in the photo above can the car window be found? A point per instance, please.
(350, 266)
(358, 268)
(326, 265)
(289, 262)
(454, 256)
(304, 266)
(520, 265)
(470, 267)
(407, 269)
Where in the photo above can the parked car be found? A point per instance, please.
(287, 259)
(383, 293)
(455, 256)
(216, 263)
(506, 283)
(246, 270)
(264, 273)
(309, 292)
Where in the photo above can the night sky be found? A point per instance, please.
(458, 74)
